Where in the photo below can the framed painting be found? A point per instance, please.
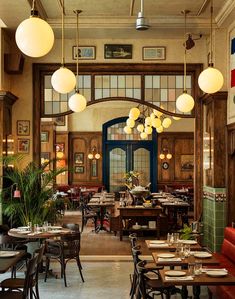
(84, 52)
(79, 158)
(23, 146)
(79, 169)
(187, 162)
(112, 51)
(23, 127)
(45, 136)
(154, 53)
(45, 158)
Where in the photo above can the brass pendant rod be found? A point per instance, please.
(62, 37)
(211, 24)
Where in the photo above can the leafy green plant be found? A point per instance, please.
(186, 233)
(36, 203)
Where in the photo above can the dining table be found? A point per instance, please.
(195, 281)
(9, 258)
(102, 204)
(163, 245)
(172, 259)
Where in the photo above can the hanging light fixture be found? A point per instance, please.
(63, 80)
(34, 36)
(210, 80)
(185, 102)
(134, 113)
(165, 154)
(77, 102)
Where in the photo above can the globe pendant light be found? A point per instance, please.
(210, 80)
(185, 102)
(134, 113)
(34, 36)
(77, 102)
(63, 80)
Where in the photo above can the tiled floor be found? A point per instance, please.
(103, 280)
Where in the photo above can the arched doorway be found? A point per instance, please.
(123, 153)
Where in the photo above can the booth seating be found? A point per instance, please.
(227, 260)
(91, 188)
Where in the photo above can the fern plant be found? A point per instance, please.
(186, 233)
(35, 183)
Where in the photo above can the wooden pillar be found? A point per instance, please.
(7, 99)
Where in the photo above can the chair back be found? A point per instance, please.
(74, 227)
(30, 276)
(71, 245)
(133, 239)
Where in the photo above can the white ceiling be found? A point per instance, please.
(111, 18)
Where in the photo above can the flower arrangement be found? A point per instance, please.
(131, 179)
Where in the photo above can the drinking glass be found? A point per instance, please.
(191, 269)
(49, 226)
(186, 250)
(198, 268)
(176, 237)
(30, 226)
(45, 226)
(37, 228)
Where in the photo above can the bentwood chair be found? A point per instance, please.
(150, 266)
(149, 283)
(63, 251)
(27, 291)
(18, 283)
(87, 213)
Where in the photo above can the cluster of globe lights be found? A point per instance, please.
(152, 121)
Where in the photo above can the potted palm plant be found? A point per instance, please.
(35, 183)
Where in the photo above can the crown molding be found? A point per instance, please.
(224, 12)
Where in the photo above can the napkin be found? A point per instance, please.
(173, 259)
(179, 278)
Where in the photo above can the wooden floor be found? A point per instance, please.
(102, 243)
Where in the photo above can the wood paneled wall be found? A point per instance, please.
(231, 174)
(179, 145)
(49, 145)
(83, 142)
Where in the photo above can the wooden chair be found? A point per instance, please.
(149, 287)
(18, 283)
(149, 265)
(63, 251)
(27, 283)
(88, 213)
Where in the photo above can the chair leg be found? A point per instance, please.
(64, 266)
(80, 268)
(47, 268)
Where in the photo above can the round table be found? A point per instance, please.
(40, 235)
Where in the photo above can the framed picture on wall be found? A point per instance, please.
(23, 146)
(45, 136)
(23, 127)
(79, 158)
(117, 51)
(154, 53)
(84, 52)
(79, 169)
(187, 162)
(45, 158)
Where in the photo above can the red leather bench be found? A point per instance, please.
(227, 260)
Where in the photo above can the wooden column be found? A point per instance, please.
(7, 99)
(230, 179)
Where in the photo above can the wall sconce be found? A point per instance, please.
(165, 154)
(8, 145)
(94, 154)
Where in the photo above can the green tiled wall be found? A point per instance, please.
(214, 217)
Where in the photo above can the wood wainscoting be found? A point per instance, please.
(81, 144)
(181, 146)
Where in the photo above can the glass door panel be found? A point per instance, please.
(117, 168)
(141, 164)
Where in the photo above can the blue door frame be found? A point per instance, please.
(129, 146)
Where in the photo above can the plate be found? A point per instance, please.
(189, 242)
(202, 255)
(218, 273)
(55, 231)
(23, 227)
(56, 227)
(166, 255)
(175, 273)
(157, 242)
(8, 253)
